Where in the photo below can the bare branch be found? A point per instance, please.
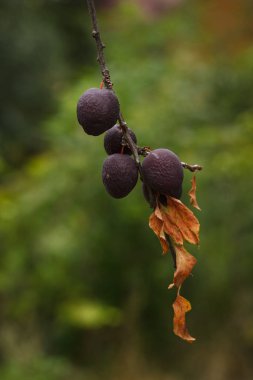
(129, 139)
(107, 80)
(192, 168)
(100, 45)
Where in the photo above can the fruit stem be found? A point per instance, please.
(128, 138)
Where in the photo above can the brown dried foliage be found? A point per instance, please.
(192, 194)
(180, 224)
(181, 306)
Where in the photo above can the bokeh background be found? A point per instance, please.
(83, 284)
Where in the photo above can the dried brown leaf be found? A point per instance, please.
(185, 263)
(192, 193)
(181, 306)
(183, 219)
(158, 213)
(157, 225)
(180, 224)
(163, 241)
(171, 229)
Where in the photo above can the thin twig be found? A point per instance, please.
(129, 139)
(107, 79)
(100, 45)
(192, 168)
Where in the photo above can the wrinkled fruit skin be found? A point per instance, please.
(119, 175)
(163, 173)
(97, 110)
(113, 140)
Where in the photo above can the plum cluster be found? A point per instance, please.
(161, 170)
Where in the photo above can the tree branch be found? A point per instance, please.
(100, 45)
(128, 138)
(107, 80)
(192, 168)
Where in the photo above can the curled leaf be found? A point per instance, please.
(192, 193)
(173, 225)
(158, 213)
(163, 241)
(157, 225)
(181, 306)
(183, 219)
(185, 263)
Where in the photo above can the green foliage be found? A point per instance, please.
(40, 53)
(39, 369)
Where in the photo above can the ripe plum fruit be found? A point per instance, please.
(162, 171)
(113, 140)
(97, 110)
(119, 175)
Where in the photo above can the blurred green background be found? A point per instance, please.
(83, 284)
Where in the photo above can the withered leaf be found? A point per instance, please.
(183, 219)
(181, 306)
(192, 193)
(179, 223)
(157, 225)
(163, 241)
(171, 229)
(185, 263)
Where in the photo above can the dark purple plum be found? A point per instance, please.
(119, 175)
(97, 110)
(163, 172)
(113, 140)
